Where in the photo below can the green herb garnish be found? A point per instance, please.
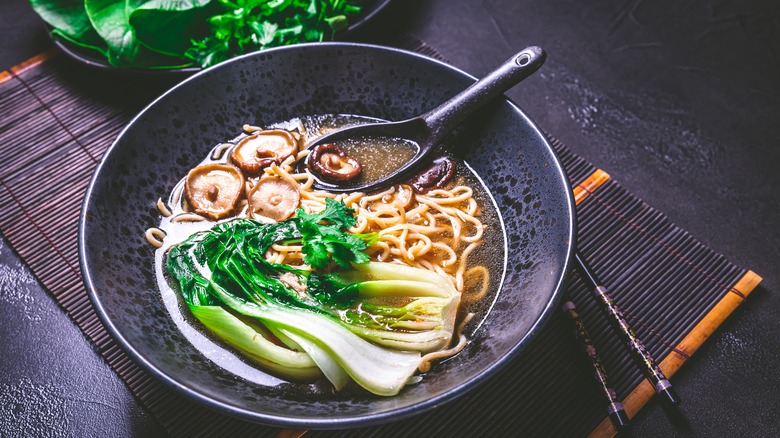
(324, 242)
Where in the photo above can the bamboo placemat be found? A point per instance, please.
(674, 290)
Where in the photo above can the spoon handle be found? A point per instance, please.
(444, 118)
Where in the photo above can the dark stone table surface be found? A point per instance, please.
(679, 101)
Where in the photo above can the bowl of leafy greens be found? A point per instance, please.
(186, 36)
(218, 269)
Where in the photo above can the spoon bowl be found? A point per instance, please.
(427, 130)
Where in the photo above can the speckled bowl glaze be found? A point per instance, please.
(176, 131)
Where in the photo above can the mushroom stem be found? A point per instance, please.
(212, 193)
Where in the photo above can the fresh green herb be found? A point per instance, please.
(179, 33)
(323, 242)
(356, 320)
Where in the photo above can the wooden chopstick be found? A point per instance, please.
(641, 356)
(615, 411)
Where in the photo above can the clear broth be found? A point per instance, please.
(311, 127)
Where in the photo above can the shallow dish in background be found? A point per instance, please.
(176, 131)
(90, 58)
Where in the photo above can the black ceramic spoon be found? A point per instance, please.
(428, 129)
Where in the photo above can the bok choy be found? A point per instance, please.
(348, 317)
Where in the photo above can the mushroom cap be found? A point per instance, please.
(330, 162)
(263, 148)
(436, 176)
(274, 198)
(213, 190)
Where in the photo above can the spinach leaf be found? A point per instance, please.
(67, 16)
(111, 19)
(168, 26)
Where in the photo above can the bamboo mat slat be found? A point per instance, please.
(675, 291)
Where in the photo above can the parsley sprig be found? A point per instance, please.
(324, 237)
(250, 25)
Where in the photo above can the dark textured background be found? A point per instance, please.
(679, 101)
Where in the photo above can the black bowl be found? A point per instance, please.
(176, 131)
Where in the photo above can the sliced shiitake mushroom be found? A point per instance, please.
(401, 198)
(274, 198)
(261, 149)
(436, 176)
(330, 162)
(213, 190)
